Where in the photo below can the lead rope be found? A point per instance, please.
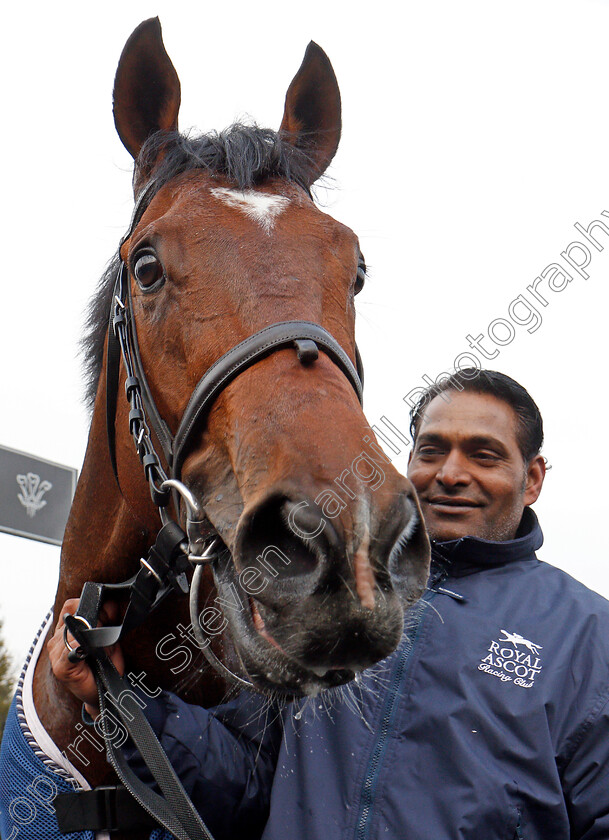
(162, 572)
(173, 810)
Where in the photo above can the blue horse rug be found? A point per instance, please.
(33, 770)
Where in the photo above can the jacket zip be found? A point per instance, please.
(368, 790)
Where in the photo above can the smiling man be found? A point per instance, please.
(476, 462)
(491, 719)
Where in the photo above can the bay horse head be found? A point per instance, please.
(324, 540)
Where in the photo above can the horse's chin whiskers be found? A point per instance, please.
(429, 605)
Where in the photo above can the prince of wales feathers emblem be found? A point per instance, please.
(32, 491)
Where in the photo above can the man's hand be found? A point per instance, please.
(78, 677)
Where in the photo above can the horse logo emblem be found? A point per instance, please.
(516, 639)
(32, 491)
(506, 660)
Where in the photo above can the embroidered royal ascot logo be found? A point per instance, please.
(513, 659)
(32, 491)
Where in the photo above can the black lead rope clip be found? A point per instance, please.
(167, 559)
(163, 571)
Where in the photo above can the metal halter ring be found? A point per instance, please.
(193, 512)
(204, 641)
(65, 634)
(209, 554)
(194, 518)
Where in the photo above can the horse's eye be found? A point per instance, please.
(149, 272)
(361, 275)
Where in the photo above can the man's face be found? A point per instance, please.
(468, 470)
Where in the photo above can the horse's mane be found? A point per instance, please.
(243, 154)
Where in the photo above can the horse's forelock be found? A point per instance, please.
(243, 154)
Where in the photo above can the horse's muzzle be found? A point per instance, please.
(319, 594)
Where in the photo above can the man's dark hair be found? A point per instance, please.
(528, 417)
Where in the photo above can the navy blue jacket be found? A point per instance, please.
(491, 720)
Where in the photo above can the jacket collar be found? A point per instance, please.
(469, 554)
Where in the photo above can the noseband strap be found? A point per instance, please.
(304, 336)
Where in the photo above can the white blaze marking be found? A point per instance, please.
(365, 582)
(260, 207)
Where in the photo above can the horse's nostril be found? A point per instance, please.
(409, 558)
(281, 539)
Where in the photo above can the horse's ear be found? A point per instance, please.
(146, 88)
(312, 115)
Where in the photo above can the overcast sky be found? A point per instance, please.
(475, 137)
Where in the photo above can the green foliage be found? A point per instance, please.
(7, 681)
